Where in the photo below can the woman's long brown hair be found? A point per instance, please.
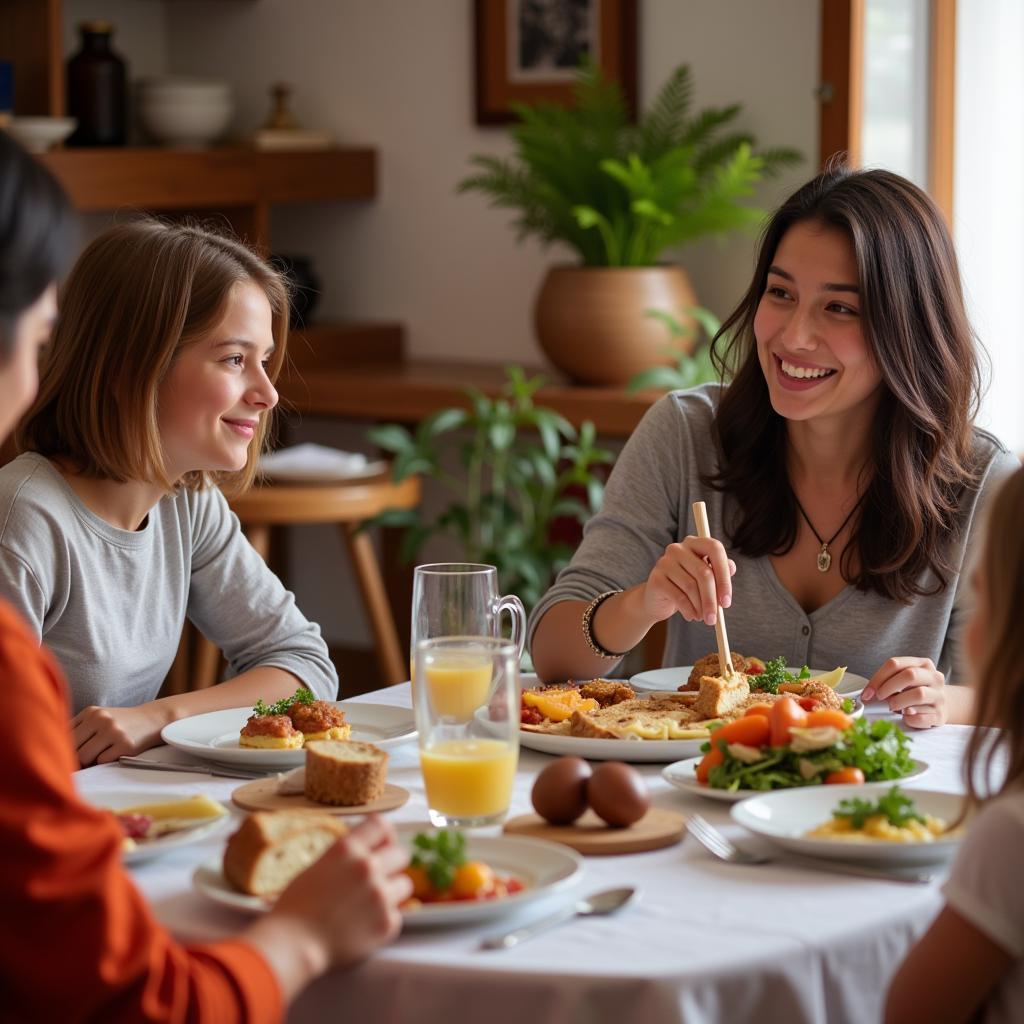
(1000, 675)
(913, 316)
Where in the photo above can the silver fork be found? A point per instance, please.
(722, 847)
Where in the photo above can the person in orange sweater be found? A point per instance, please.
(77, 940)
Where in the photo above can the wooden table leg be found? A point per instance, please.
(375, 599)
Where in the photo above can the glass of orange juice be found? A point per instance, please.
(466, 700)
(462, 599)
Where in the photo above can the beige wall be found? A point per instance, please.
(398, 74)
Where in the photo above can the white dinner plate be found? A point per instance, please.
(672, 678)
(544, 868)
(786, 816)
(214, 736)
(308, 477)
(115, 799)
(634, 750)
(631, 750)
(683, 775)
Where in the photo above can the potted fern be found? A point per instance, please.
(621, 194)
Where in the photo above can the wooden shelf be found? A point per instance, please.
(408, 390)
(172, 179)
(334, 347)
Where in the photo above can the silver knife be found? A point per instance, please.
(202, 769)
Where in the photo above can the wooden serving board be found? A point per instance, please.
(590, 835)
(262, 795)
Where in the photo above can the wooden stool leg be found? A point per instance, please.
(205, 663)
(393, 665)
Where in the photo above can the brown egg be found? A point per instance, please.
(559, 792)
(618, 794)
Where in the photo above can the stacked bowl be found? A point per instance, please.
(184, 112)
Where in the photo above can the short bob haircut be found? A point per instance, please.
(36, 229)
(924, 445)
(138, 294)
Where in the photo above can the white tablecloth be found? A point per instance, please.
(707, 941)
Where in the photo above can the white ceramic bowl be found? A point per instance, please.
(183, 111)
(786, 816)
(38, 134)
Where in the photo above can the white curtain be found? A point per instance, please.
(988, 206)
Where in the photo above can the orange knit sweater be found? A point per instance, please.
(77, 941)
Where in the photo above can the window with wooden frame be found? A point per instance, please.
(887, 88)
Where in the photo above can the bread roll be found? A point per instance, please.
(344, 773)
(272, 847)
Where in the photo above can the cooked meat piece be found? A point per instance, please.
(824, 694)
(607, 691)
(708, 666)
(719, 696)
(269, 725)
(316, 717)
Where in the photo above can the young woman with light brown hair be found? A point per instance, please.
(970, 964)
(155, 395)
(841, 468)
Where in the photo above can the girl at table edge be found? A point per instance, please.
(847, 411)
(970, 964)
(157, 384)
(78, 942)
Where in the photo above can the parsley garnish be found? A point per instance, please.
(439, 855)
(774, 675)
(300, 696)
(894, 805)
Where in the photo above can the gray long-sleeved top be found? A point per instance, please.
(110, 603)
(647, 507)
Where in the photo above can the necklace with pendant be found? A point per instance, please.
(824, 555)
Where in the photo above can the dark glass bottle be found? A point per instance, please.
(97, 89)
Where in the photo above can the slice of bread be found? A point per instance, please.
(344, 773)
(272, 847)
(719, 696)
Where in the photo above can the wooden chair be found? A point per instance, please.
(347, 504)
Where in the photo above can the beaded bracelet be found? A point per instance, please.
(588, 620)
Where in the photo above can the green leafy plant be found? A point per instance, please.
(522, 467)
(692, 364)
(619, 193)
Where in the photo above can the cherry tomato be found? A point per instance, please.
(844, 775)
(785, 714)
(808, 703)
(712, 758)
(754, 668)
(751, 730)
(829, 716)
(758, 709)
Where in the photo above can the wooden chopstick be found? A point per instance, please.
(700, 516)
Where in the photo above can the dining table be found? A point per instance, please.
(704, 941)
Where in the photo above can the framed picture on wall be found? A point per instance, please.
(528, 50)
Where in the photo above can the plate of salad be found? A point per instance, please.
(782, 747)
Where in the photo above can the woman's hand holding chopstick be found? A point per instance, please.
(693, 578)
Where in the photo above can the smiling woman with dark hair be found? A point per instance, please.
(840, 467)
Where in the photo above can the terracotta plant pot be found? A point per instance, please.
(591, 322)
